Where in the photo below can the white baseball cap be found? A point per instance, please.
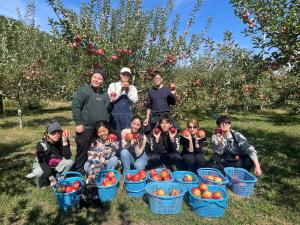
(126, 70)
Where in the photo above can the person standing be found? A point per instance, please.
(90, 105)
(159, 100)
(123, 96)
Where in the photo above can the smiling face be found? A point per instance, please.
(97, 80)
(136, 125)
(225, 126)
(192, 128)
(103, 133)
(157, 80)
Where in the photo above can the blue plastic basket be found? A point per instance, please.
(209, 207)
(241, 182)
(110, 192)
(165, 204)
(69, 200)
(179, 176)
(135, 189)
(158, 172)
(214, 172)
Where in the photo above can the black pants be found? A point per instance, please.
(192, 162)
(219, 162)
(83, 142)
(168, 159)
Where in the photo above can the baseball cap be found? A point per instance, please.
(52, 126)
(126, 70)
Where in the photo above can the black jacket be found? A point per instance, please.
(165, 145)
(185, 145)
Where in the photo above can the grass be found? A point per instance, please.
(275, 201)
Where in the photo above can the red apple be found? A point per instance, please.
(218, 131)
(207, 195)
(69, 188)
(128, 137)
(136, 136)
(156, 177)
(152, 172)
(164, 173)
(188, 178)
(202, 187)
(126, 84)
(110, 174)
(195, 191)
(60, 188)
(218, 179)
(160, 192)
(113, 180)
(136, 178)
(143, 174)
(100, 51)
(74, 45)
(77, 39)
(200, 133)
(173, 130)
(114, 57)
(112, 137)
(168, 178)
(128, 176)
(113, 95)
(174, 192)
(76, 185)
(185, 133)
(216, 195)
(156, 130)
(251, 25)
(197, 82)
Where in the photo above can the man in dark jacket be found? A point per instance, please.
(159, 100)
(90, 105)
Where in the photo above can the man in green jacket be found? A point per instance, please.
(90, 105)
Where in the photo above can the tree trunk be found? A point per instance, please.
(20, 115)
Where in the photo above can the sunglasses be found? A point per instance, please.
(55, 132)
(192, 127)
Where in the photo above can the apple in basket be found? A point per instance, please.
(113, 180)
(152, 172)
(156, 177)
(164, 173)
(105, 182)
(69, 188)
(167, 178)
(110, 174)
(218, 179)
(188, 178)
(128, 176)
(136, 178)
(216, 195)
(60, 188)
(209, 177)
(202, 187)
(76, 184)
(160, 192)
(195, 191)
(174, 192)
(143, 174)
(207, 195)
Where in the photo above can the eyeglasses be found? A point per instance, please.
(192, 127)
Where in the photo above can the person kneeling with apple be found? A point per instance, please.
(53, 155)
(164, 145)
(192, 140)
(231, 148)
(134, 143)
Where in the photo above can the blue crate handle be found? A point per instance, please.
(206, 203)
(136, 191)
(226, 169)
(59, 179)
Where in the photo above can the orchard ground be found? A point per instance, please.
(276, 199)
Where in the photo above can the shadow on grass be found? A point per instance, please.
(37, 122)
(123, 215)
(7, 149)
(280, 160)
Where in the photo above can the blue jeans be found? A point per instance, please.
(128, 160)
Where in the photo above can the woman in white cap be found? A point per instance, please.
(53, 155)
(122, 96)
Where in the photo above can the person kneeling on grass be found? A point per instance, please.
(134, 143)
(101, 154)
(53, 155)
(164, 145)
(231, 148)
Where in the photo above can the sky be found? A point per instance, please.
(221, 11)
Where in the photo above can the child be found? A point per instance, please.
(164, 145)
(101, 154)
(53, 155)
(133, 151)
(192, 144)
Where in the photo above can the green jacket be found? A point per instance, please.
(89, 106)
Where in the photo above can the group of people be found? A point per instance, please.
(107, 134)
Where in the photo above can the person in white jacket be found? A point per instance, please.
(123, 97)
